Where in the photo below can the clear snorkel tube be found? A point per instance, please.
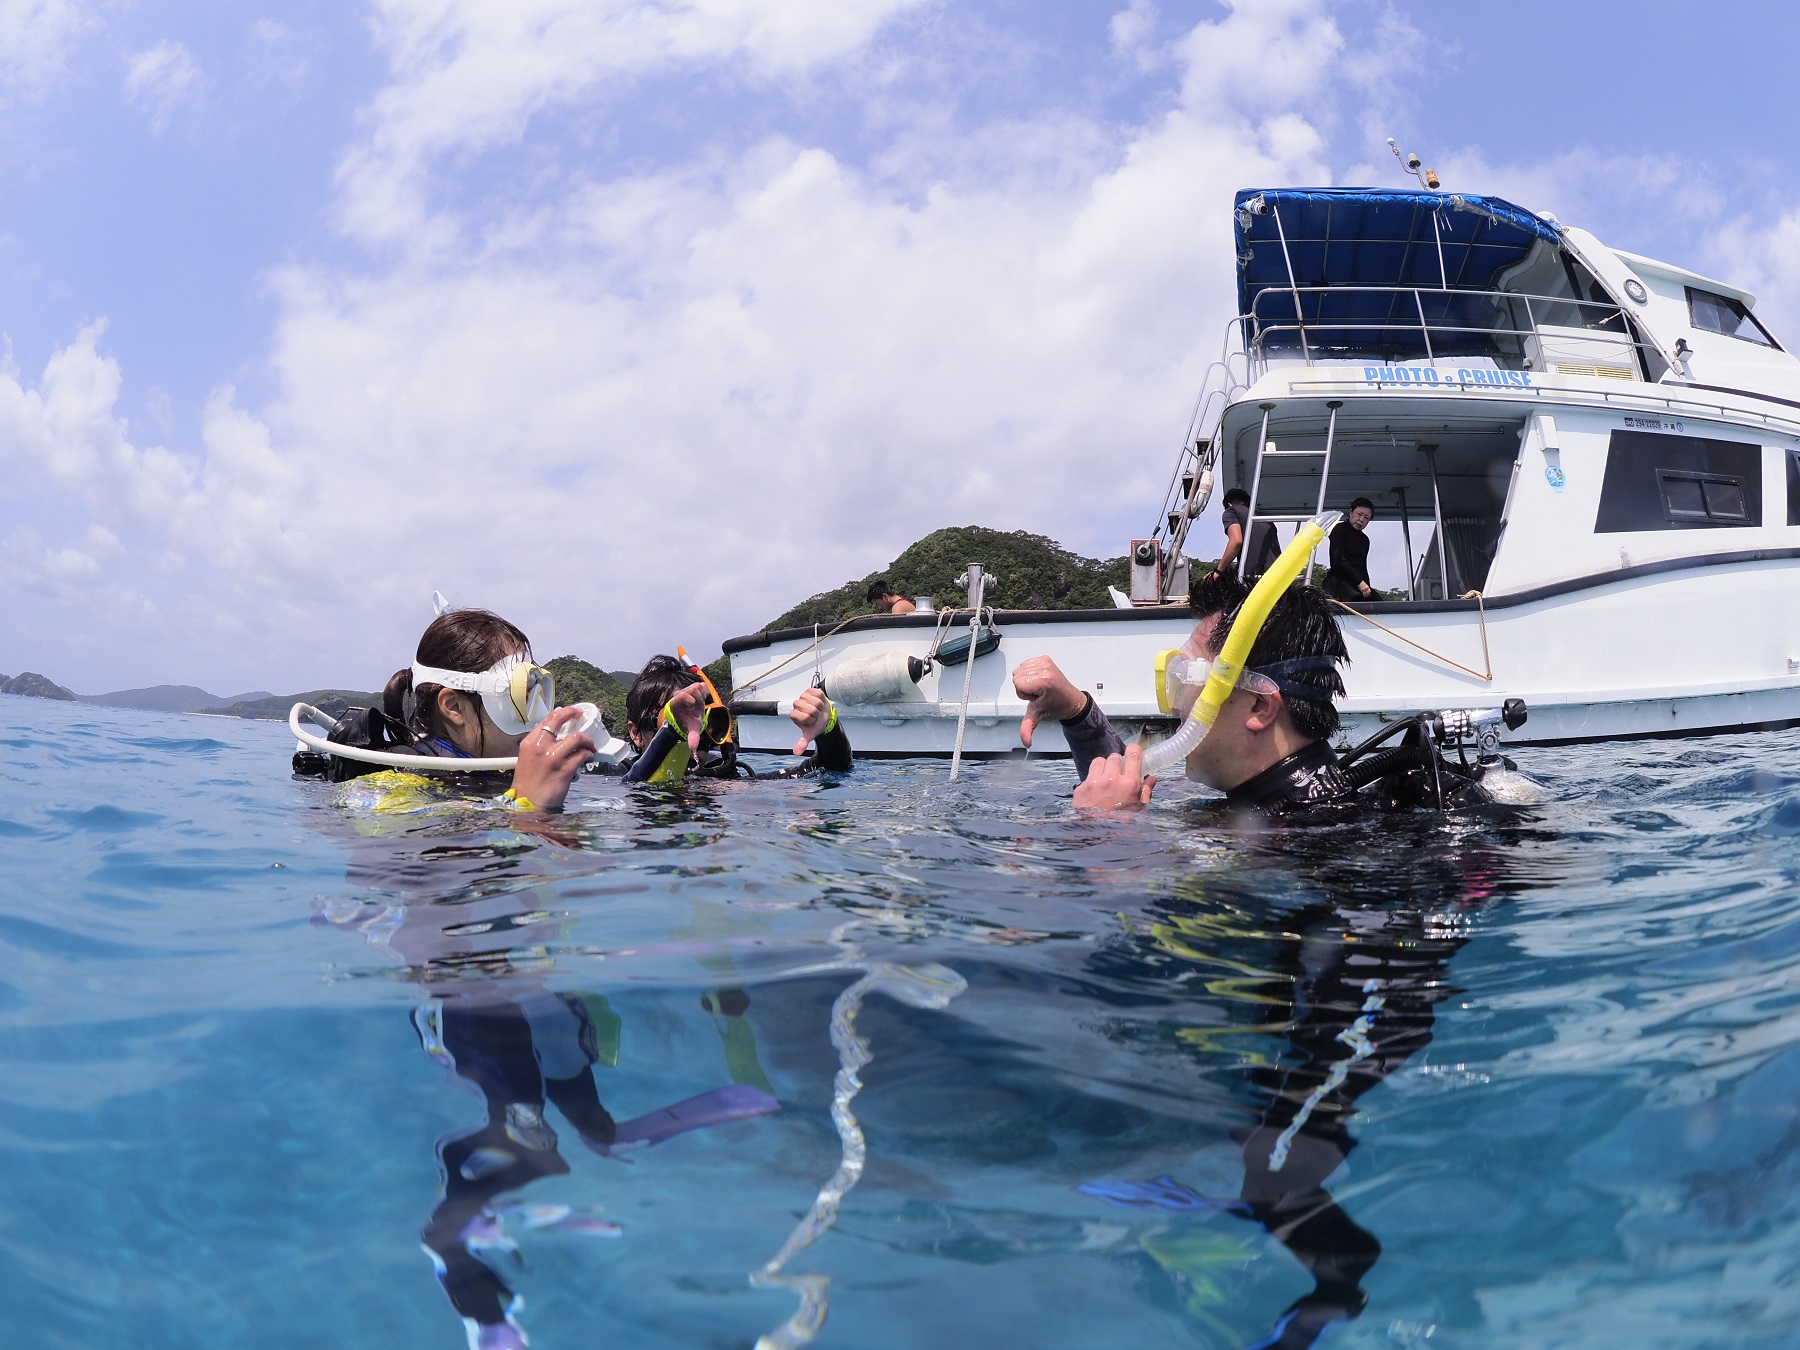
(1230, 663)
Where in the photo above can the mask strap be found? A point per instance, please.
(1275, 670)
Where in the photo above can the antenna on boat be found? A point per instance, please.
(1415, 166)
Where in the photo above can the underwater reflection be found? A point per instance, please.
(1340, 945)
(471, 919)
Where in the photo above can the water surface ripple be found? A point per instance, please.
(1161, 1081)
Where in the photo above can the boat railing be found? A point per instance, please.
(1394, 325)
(1186, 494)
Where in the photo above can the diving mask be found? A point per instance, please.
(517, 693)
(716, 719)
(1226, 671)
(1179, 680)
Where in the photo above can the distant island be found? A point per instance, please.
(33, 685)
(1026, 571)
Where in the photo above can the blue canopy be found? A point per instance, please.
(1351, 237)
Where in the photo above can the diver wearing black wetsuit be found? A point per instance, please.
(830, 751)
(1411, 774)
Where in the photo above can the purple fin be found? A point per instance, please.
(721, 1106)
(1164, 1193)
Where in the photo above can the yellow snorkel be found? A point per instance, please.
(1229, 664)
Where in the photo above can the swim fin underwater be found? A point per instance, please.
(720, 1106)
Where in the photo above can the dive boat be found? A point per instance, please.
(1595, 458)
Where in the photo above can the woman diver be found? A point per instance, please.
(472, 692)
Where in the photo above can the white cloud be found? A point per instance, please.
(470, 74)
(1131, 30)
(159, 79)
(664, 406)
(37, 38)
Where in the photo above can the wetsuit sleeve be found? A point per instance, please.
(831, 750)
(665, 759)
(1090, 736)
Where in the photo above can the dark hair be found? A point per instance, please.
(877, 589)
(1215, 593)
(458, 639)
(659, 681)
(1236, 495)
(1363, 501)
(1302, 624)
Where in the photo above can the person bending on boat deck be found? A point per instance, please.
(666, 712)
(1235, 519)
(425, 717)
(1348, 577)
(886, 602)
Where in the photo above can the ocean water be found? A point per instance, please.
(1160, 1081)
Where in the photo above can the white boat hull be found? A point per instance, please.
(1693, 647)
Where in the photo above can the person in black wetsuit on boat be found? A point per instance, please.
(1269, 747)
(682, 730)
(1348, 575)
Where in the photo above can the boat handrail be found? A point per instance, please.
(1409, 322)
(1251, 338)
(1648, 398)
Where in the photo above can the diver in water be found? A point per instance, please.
(463, 919)
(472, 692)
(1350, 977)
(1269, 744)
(682, 728)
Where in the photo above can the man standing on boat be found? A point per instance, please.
(1348, 578)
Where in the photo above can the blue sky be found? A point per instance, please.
(638, 322)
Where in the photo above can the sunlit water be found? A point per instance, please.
(1513, 1084)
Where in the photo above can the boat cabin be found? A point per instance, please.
(1528, 404)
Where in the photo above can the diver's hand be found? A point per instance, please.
(1117, 782)
(1047, 693)
(689, 707)
(546, 765)
(812, 713)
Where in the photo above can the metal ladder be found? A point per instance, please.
(1266, 450)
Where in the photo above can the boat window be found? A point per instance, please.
(1701, 499)
(1793, 468)
(1713, 313)
(1662, 482)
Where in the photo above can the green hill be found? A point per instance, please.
(1026, 571)
(578, 681)
(275, 707)
(33, 685)
(170, 698)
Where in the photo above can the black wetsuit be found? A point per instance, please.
(373, 729)
(1349, 563)
(489, 1040)
(831, 751)
(1409, 775)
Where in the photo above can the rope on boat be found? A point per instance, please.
(927, 986)
(1480, 608)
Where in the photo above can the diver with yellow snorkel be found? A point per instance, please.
(1254, 686)
(682, 728)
